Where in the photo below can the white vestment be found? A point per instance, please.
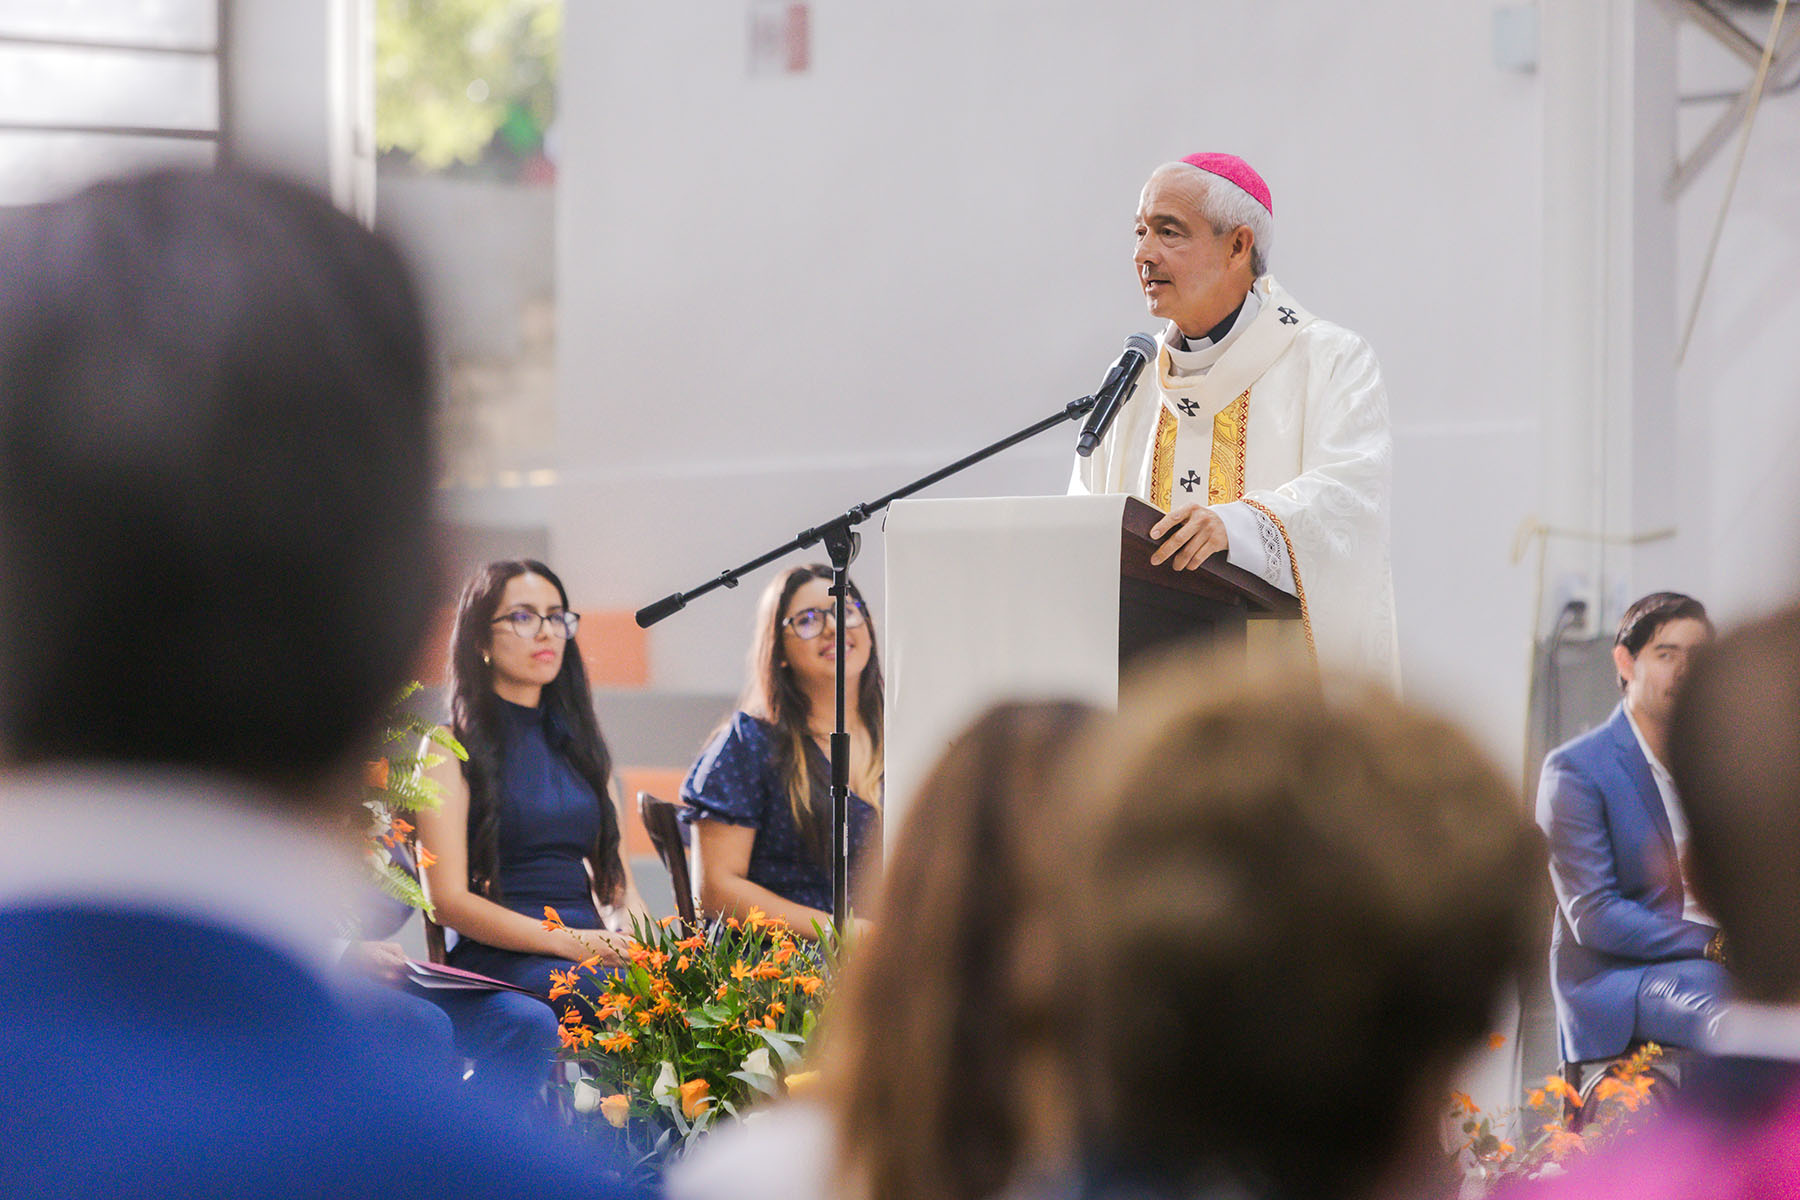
(1285, 435)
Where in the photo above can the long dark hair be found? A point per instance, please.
(773, 694)
(568, 708)
(925, 1055)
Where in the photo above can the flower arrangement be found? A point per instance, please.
(1489, 1159)
(395, 785)
(695, 1029)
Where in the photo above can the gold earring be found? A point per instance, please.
(485, 660)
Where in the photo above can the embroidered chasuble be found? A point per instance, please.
(1281, 426)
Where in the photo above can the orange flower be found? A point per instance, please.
(552, 922)
(1462, 1102)
(668, 921)
(644, 1018)
(681, 964)
(783, 952)
(561, 985)
(427, 859)
(756, 918)
(616, 1109)
(658, 960)
(400, 827)
(1562, 1142)
(1506, 1148)
(1559, 1087)
(618, 1042)
(740, 971)
(375, 774)
(720, 994)
(1496, 1040)
(571, 1016)
(638, 954)
(766, 971)
(1536, 1099)
(690, 943)
(569, 1040)
(810, 984)
(777, 1008)
(586, 964)
(695, 1098)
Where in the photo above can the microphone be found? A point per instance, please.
(1115, 390)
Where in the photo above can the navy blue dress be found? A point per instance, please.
(549, 821)
(736, 781)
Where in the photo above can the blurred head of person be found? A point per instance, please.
(215, 479)
(921, 1043)
(1734, 750)
(515, 637)
(792, 672)
(1657, 639)
(1290, 917)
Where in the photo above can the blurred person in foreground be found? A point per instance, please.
(924, 1087)
(1734, 1128)
(216, 525)
(1291, 919)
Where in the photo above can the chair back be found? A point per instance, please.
(665, 835)
(434, 939)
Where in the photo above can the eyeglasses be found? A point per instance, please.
(526, 623)
(809, 623)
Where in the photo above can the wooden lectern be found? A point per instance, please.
(1042, 597)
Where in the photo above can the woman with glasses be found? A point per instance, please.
(759, 798)
(528, 822)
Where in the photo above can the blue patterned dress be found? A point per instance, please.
(736, 781)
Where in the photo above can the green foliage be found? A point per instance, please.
(398, 784)
(452, 76)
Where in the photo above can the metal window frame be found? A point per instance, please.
(216, 52)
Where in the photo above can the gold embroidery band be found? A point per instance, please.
(1225, 476)
(1299, 587)
(1162, 465)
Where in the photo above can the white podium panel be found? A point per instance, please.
(989, 600)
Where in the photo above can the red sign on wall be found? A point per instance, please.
(780, 38)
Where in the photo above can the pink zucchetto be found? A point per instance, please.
(1235, 169)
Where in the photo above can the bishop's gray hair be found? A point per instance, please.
(1226, 206)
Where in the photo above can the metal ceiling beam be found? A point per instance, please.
(1787, 52)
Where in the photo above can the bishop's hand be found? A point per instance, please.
(1195, 534)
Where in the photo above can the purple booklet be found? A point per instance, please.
(436, 975)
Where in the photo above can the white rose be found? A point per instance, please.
(587, 1096)
(667, 1088)
(757, 1063)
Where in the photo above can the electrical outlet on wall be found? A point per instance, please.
(1576, 605)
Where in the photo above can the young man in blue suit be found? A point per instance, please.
(1632, 956)
(216, 562)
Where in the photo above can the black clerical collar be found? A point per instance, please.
(1217, 333)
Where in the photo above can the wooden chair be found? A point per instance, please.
(434, 940)
(665, 835)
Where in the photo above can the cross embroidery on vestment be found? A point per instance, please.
(1190, 481)
(1287, 315)
(1188, 407)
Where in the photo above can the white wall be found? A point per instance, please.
(1740, 386)
(780, 295)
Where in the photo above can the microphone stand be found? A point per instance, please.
(842, 542)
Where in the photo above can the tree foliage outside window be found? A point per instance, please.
(466, 83)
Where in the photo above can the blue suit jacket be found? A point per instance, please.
(1619, 892)
(147, 1055)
